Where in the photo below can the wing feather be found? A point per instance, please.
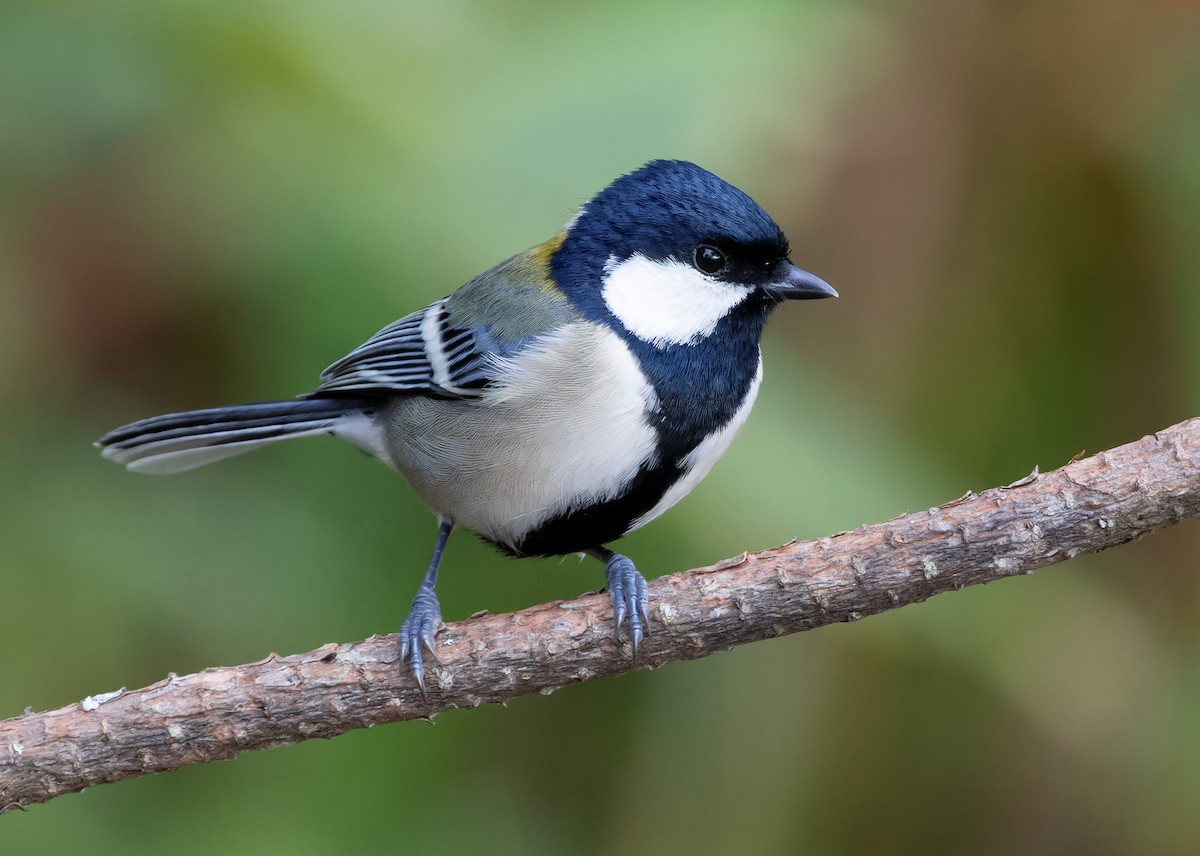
(421, 353)
(451, 348)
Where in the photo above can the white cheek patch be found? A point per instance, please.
(668, 302)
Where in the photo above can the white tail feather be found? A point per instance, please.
(145, 459)
(177, 442)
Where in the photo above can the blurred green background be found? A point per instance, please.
(207, 202)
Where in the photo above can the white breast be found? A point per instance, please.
(701, 459)
(561, 432)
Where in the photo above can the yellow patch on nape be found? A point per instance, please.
(541, 255)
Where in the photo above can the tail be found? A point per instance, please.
(180, 441)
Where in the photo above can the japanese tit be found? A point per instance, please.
(558, 401)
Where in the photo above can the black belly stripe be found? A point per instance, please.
(594, 525)
(700, 387)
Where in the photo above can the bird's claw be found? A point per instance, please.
(418, 631)
(627, 590)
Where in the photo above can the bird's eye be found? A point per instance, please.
(709, 259)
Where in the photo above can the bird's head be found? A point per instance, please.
(670, 250)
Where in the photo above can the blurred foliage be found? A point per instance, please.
(206, 202)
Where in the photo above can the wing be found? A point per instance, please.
(420, 353)
(452, 348)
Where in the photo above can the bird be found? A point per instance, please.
(557, 401)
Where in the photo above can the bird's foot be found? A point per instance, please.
(418, 631)
(627, 589)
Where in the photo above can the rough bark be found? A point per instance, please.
(1089, 505)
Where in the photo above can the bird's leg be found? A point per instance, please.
(426, 613)
(627, 590)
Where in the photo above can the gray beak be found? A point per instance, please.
(799, 284)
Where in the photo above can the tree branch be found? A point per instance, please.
(1087, 506)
